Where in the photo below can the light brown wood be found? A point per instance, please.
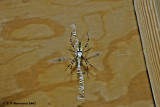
(147, 15)
(34, 33)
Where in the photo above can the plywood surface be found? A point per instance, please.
(35, 32)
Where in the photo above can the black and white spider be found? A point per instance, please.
(79, 53)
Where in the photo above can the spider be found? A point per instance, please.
(79, 53)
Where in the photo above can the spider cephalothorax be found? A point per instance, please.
(79, 52)
(79, 48)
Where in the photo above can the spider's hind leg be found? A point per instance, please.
(71, 63)
(86, 61)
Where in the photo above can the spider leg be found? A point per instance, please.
(86, 61)
(82, 63)
(87, 41)
(87, 50)
(72, 50)
(86, 65)
(73, 69)
(71, 63)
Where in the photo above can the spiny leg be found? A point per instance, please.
(71, 75)
(73, 69)
(87, 41)
(71, 63)
(86, 61)
(72, 51)
(87, 50)
(86, 65)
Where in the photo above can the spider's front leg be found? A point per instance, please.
(87, 42)
(87, 50)
(72, 51)
(87, 45)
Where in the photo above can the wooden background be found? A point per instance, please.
(35, 32)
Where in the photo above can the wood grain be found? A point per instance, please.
(157, 3)
(33, 33)
(148, 22)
